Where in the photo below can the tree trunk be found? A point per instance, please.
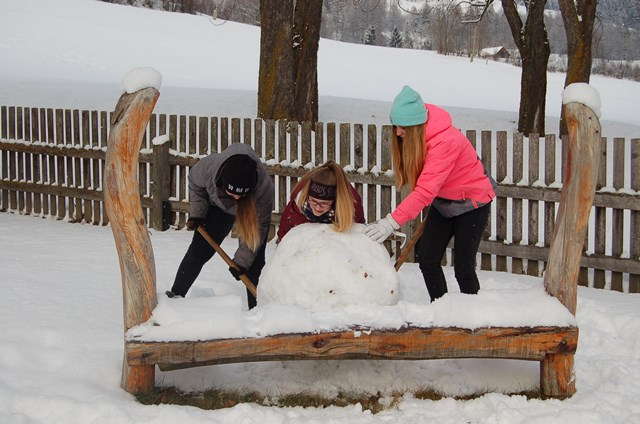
(578, 26)
(275, 79)
(533, 45)
(288, 76)
(308, 15)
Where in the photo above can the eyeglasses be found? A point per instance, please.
(319, 204)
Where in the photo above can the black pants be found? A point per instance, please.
(218, 225)
(466, 230)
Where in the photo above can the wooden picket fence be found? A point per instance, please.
(51, 164)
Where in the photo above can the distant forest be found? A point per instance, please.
(444, 26)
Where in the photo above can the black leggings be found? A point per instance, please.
(466, 230)
(218, 225)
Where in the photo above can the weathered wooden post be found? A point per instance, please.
(123, 207)
(160, 179)
(576, 200)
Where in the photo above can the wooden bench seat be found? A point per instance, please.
(544, 344)
(553, 347)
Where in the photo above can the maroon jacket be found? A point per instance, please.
(292, 216)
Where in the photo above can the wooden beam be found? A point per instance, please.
(528, 343)
(122, 204)
(576, 200)
(556, 376)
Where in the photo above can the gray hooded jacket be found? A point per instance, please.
(203, 193)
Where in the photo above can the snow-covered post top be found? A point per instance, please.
(583, 93)
(581, 105)
(140, 78)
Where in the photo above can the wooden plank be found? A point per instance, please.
(235, 130)
(600, 216)
(105, 118)
(174, 172)
(181, 171)
(214, 139)
(4, 157)
(386, 162)
(617, 224)
(343, 157)
(160, 188)
(258, 137)
(36, 159)
(51, 132)
(528, 343)
(281, 182)
(246, 132)
(86, 165)
(20, 158)
(152, 130)
(533, 267)
(501, 202)
(77, 165)
(634, 279)
(94, 128)
(60, 163)
(293, 154)
(203, 136)
(270, 152)
(319, 144)
(224, 134)
(12, 158)
(27, 159)
(358, 153)
(517, 220)
(306, 143)
(331, 141)
(387, 204)
(44, 160)
(549, 179)
(370, 202)
(485, 136)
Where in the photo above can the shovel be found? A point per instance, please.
(247, 282)
(409, 247)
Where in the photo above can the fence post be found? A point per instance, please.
(159, 181)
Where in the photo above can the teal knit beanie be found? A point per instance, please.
(408, 108)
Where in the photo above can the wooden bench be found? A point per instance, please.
(553, 347)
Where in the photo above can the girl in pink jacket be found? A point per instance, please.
(443, 170)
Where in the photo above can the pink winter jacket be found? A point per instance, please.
(452, 169)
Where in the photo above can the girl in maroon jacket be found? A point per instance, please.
(442, 169)
(323, 195)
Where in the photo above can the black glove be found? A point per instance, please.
(194, 223)
(237, 272)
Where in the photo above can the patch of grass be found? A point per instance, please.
(219, 399)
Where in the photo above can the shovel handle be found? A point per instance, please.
(247, 282)
(410, 245)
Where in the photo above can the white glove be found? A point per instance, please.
(381, 230)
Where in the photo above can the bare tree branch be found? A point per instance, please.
(483, 5)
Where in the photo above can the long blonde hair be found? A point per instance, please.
(408, 155)
(247, 222)
(330, 173)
